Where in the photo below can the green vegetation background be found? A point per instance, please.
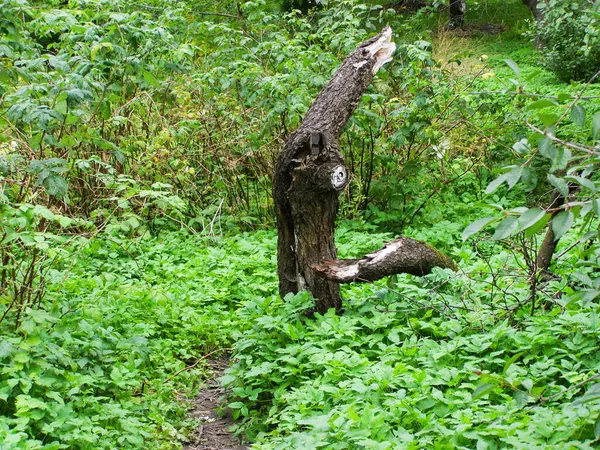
(138, 140)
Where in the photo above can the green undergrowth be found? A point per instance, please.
(450, 360)
(390, 373)
(445, 361)
(113, 361)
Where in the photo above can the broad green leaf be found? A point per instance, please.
(97, 47)
(548, 119)
(596, 206)
(511, 361)
(584, 279)
(352, 414)
(513, 176)
(547, 149)
(527, 384)
(597, 428)
(596, 125)
(476, 227)
(521, 398)
(561, 185)
(483, 390)
(540, 224)
(563, 157)
(531, 217)
(583, 297)
(505, 228)
(522, 146)
(563, 97)
(44, 212)
(543, 103)
(150, 79)
(591, 395)
(495, 184)
(6, 349)
(26, 403)
(55, 185)
(529, 178)
(64, 221)
(578, 115)
(588, 184)
(561, 223)
(513, 65)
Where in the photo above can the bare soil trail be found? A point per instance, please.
(212, 434)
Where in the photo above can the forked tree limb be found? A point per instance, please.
(403, 255)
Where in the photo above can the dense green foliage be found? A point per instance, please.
(136, 150)
(571, 36)
(111, 360)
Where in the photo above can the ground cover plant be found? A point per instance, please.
(137, 145)
(111, 361)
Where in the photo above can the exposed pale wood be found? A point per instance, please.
(403, 255)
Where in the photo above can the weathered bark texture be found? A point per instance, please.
(309, 175)
(546, 251)
(538, 14)
(458, 9)
(403, 255)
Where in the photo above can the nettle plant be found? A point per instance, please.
(82, 90)
(560, 155)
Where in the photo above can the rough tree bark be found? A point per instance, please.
(403, 255)
(546, 251)
(310, 173)
(458, 8)
(549, 244)
(538, 14)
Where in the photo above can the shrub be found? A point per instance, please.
(571, 36)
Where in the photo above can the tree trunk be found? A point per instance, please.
(458, 8)
(309, 175)
(546, 251)
(532, 5)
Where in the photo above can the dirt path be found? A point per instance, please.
(212, 433)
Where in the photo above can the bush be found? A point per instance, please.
(571, 36)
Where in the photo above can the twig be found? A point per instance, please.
(575, 386)
(589, 150)
(202, 358)
(526, 94)
(231, 16)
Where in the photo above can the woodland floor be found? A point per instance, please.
(212, 433)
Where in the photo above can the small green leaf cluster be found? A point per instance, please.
(560, 153)
(77, 85)
(33, 239)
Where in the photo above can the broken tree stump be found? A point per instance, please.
(309, 175)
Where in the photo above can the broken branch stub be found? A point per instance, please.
(403, 255)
